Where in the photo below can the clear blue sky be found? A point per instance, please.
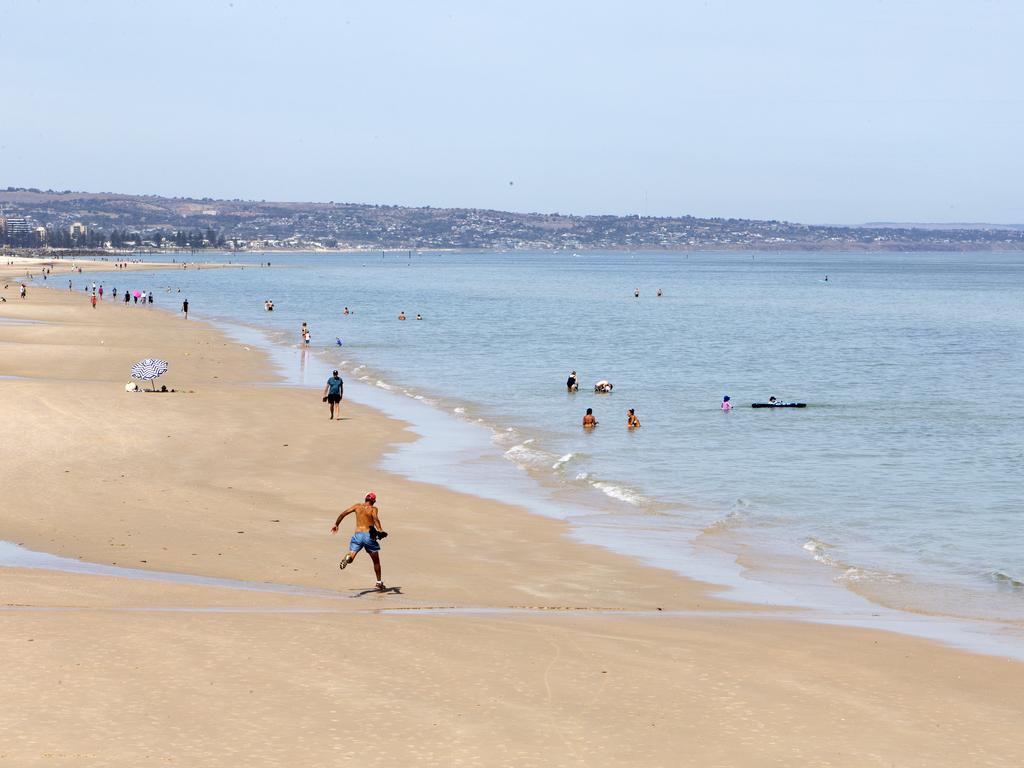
(810, 111)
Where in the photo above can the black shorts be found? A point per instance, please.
(333, 399)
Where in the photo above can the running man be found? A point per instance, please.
(367, 518)
(333, 392)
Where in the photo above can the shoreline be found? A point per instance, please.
(735, 571)
(239, 481)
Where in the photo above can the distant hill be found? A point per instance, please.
(252, 224)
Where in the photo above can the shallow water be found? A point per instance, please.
(900, 481)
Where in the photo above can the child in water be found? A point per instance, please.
(726, 405)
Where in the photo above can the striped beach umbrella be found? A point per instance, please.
(149, 369)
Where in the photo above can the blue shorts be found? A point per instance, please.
(362, 540)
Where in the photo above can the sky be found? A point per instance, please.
(817, 111)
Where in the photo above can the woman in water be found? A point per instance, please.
(631, 420)
(726, 405)
(589, 420)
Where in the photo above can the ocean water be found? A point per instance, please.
(900, 481)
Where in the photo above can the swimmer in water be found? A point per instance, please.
(419, 316)
(772, 400)
(631, 420)
(572, 383)
(636, 293)
(589, 420)
(401, 315)
(726, 405)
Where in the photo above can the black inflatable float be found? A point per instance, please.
(778, 405)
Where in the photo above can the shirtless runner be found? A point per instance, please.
(366, 518)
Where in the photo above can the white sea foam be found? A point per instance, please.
(819, 551)
(459, 410)
(562, 460)
(528, 458)
(620, 492)
(382, 385)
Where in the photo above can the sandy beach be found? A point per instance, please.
(501, 641)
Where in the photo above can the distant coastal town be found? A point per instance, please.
(57, 221)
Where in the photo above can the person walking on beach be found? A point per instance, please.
(127, 296)
(589, 420)
(93, 300)
(184, 306)
(333, 392)
(366, 536)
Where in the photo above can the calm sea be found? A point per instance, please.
(901, 480)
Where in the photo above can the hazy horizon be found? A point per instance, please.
(802, 112)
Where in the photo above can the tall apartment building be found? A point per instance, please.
(17, 231)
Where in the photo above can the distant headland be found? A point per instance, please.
(35, 218)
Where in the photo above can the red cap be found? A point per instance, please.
(371, 496)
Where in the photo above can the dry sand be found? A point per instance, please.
(231, 478)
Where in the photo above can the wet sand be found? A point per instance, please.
(232, 479)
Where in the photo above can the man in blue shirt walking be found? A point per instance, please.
(333, 392)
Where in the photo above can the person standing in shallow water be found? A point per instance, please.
(367, 534)
(184, 306)
(589, 420)
(631, 420)
(572, 383)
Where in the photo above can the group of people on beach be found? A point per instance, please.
(96, 293)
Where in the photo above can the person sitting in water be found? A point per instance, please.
(346, 311)
(572, 383)
(419, 316)
(772, 400)
(726, 405)
(603, 387)
(631, 420)
(589, 420)
(401, 315)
